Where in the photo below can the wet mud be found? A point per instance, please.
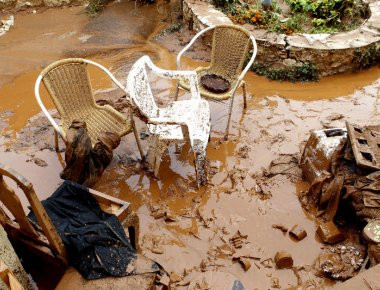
(254, 179)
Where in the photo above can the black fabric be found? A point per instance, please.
(95, 240)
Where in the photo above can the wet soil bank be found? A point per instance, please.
(248, 191)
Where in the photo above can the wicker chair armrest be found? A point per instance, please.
(190, 44)
(249, 64)
(43, 108)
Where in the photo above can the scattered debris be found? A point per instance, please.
(283, 260)
(6, 24)
(340, 261)
(329, 233)
(280, 227)
(275, 283)
(238, 239)
(297, 232)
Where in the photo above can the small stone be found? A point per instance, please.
(297, 232)
(158, 214)
(329, 233)
(275, 283)
(283, 260)
(218, 178)
(174, 277)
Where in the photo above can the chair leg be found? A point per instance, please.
(229, 116)
(137, 138)
(176, 92)
(156, 150)
(56, 141)
(200, 165)
(245, 95)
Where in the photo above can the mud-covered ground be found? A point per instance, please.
(254, 178)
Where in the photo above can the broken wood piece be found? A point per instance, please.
(336, 188)
(246, 264)
(329, 233)
(283, 260)
(297, 232)
(280, 227)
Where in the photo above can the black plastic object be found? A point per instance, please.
(95, 240)
(215, 84)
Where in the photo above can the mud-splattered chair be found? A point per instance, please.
(179, 121)
(231, 47)
(43, 239)
(68, 84)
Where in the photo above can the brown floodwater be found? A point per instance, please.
(277, 121)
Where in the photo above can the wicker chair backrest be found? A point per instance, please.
(230, 48)
(70, 89)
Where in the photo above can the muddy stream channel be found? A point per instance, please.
(242, 195)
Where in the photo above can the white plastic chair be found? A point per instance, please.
(179, 121)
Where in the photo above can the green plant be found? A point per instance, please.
(305, 72)
(366, 58)
(95, 6)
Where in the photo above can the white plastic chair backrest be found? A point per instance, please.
(139, 88)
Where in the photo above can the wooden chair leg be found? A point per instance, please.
(245, 95)
(56, 141)
(176, 92)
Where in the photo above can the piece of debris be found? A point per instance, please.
(280, 227)
(238, 239)
(275, 282)
(297, 232)
(340, 261)
(174, 277)
(267, 263)
(329, 233)
(283, 260)
(218, 178)
(246, 264)
(365, 145)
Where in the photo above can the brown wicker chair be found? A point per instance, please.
(68, 84)
(231, 45)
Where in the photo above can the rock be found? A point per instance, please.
(283, 260)
(297, 232)
(280, 227)
(174, 277)
(218, 178)
(275, 283)
(329, 233)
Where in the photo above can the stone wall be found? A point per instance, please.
(330, 53)
(7, 4)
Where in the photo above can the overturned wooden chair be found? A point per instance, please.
(231, 45)
(185, 120)
(68, 84)
(43, 239)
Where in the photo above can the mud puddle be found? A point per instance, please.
(245, 193)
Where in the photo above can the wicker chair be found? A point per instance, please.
(231, 45)
(68, 84)
(186, 120)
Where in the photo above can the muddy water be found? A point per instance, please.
(277, 121)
